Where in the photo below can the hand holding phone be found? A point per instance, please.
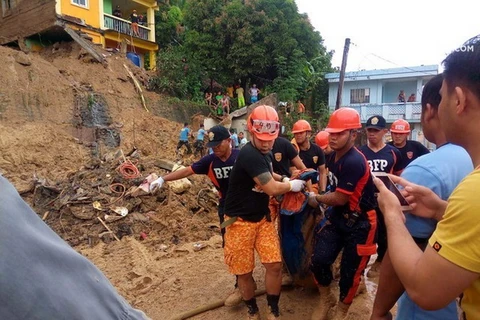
(393, 188)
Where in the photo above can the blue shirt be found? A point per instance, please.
(441, 171)
(184, 134)
(201, 134)
(234, 137)
(42, 277)
(217, 170)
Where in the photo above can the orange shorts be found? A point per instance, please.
(274, 208)
(243, 237)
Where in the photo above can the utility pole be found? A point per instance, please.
(342, 73)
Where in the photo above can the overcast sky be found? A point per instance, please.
(406, 33)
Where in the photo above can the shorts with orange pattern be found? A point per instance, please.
(243, 237)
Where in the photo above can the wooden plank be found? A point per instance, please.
(138, 87)
(85, 45)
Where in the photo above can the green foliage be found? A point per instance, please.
(266, 42)
(176, 75)
(168, 21)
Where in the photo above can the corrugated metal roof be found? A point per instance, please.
(422, 70)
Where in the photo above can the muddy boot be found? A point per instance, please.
(374, 270)
(341, 311)
(253, 313)
(234, 299)
(327, 301)
(273, 315)
(362, 287)
(273, 312)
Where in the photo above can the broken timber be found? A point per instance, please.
(85, 45)
(137, 86)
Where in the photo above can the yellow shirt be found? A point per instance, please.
(457, 237)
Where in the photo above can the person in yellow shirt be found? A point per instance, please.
(450, 266)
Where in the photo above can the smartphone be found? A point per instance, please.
(393, 188)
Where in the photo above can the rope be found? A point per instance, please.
(128, 170)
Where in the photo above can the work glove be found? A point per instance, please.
(156, 184)
(296, 185)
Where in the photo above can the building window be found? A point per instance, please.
(360, 96)
(81, 3)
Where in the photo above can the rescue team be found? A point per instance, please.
(423, 266)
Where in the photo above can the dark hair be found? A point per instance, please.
(185, 124)
(431, 92)
(462, 66)
(201, 125)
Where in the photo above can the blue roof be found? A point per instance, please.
(426, 70)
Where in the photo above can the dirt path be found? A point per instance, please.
(179, 279)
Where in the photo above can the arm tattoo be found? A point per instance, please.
(264, 178)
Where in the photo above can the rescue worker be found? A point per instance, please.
(381, 157)
(409, 149)
(352, 224)
(217, 166)
(312, 155)
(247, 216)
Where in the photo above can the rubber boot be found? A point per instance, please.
(271, 315)
(341, 311)
(327, 302)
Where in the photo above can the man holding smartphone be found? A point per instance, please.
(435, 171)
(381, 157)
(352, 224)
(450, 265)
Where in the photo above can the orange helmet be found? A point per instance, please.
(400, 126)
(343, 119)
(263, 123)
(301, 126)
(321, 139)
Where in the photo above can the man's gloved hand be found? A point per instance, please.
(156, 184)
(296, 185)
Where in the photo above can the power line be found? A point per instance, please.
(391, 62)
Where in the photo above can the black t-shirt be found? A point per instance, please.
(244, 198)
(411, 151)
(134, 18)
(351, 175)
(283, 153)
(313, 157)
(388, 159)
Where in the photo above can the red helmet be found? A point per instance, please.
(321, 139)
(343, 119)
(301, 126)
(263, 123)
(400, 126)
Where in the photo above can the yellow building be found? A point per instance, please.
(106, 22)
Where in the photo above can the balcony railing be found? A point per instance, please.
(410, 111)
(124, 26)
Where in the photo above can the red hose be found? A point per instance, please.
(128, 170)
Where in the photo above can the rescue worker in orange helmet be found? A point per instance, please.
(409, 149)
(352, 224)
(248, 226)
